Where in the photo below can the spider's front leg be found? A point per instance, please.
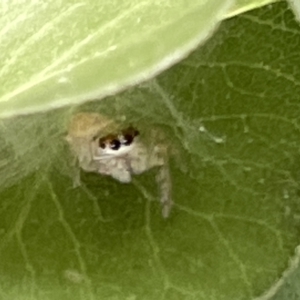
(163, 179)
(143, 159)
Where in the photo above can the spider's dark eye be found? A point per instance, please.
(128, 138)
(136, 133)
(102, 143)
(115, 144)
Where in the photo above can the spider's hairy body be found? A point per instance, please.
(102, 146)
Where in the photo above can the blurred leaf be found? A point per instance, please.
(231, 112)
(287, 287)
(241, 6)
(60, 52)
(295, 4)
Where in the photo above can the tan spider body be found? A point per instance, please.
(102, 146)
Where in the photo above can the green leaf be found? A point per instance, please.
(241, 6)
(287, 286)
(231, 112)
(295, 5)
(60, 52)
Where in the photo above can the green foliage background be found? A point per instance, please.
(231, 111)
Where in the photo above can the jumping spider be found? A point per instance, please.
(100, 145)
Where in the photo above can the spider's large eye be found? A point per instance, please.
(136, 133)
(128, 136)
(127, 139)
(101, 143)
(115, 144)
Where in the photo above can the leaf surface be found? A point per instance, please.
(231, 114)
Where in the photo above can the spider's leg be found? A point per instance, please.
(164, 183)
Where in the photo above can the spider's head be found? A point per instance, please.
(114, 145)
